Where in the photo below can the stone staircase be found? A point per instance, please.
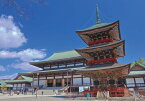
(49, 91)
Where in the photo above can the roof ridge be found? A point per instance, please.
(65, 51)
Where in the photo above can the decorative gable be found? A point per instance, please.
(137, 67)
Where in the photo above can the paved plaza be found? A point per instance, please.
(59, 98)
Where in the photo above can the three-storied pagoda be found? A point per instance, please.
(105, 47)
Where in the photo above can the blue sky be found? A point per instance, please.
(52, 28)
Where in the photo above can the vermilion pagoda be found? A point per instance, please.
(105, 47)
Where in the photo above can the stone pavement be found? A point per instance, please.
(56, 98)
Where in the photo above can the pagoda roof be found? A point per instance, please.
(66, 55)
(101, 71)
(96, 26)
(102, 67)
(101, 46)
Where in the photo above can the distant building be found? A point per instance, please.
(4, 85)
(136, 77)
(21, 83)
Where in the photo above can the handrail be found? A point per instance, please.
(100, 41)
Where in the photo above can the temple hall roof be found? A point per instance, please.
(73, 54)
(134, 73)
(23, 79)
(3, 82)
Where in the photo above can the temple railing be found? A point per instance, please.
(100, 41)
(113, 60)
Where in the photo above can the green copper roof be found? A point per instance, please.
(27, 78)
(24, 79)
(98, 25)
(99, 67)
(16, 81)
(61, 55)
(136, 63)
(137, 73)
(3, 82)
(52, 71)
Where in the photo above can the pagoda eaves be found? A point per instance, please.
(100, 33)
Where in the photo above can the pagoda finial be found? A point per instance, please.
(97, 14)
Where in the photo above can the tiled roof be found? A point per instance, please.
(98, 25)
(132, 73)
(50, 71)
(24, 79)
(61, 56)
(3, 82)
(103, 67)
(136, 63)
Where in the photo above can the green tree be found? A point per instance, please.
(141, 61)
(4, 88)
(21, 8)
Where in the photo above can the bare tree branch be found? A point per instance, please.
(17, 7)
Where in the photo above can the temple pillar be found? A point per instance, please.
(72, 79)
(38, 80)
(33, 82)
(82, 80)
(116, 82)
(90, 81)
(135, 82)
(54, 83)
(63, 82)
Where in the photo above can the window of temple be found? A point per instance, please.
(96, 82)
(67, 81)
(139, 82)
(121, 82)
(50, 83)
(107, 53)
(111, 82)
(99, 37)
(101, 55)
(58, 83)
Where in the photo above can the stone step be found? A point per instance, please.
(46, 92)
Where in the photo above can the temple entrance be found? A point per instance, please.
(67, 82)
(58, 83)
(49, 83)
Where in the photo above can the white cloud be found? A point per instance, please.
(30, 54)
(2, 68)
(10, 34)
(24, 55)
(9, 76)
(25, 66)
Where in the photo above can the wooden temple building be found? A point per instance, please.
(95, 67)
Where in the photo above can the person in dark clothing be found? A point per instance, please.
(42, 92)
